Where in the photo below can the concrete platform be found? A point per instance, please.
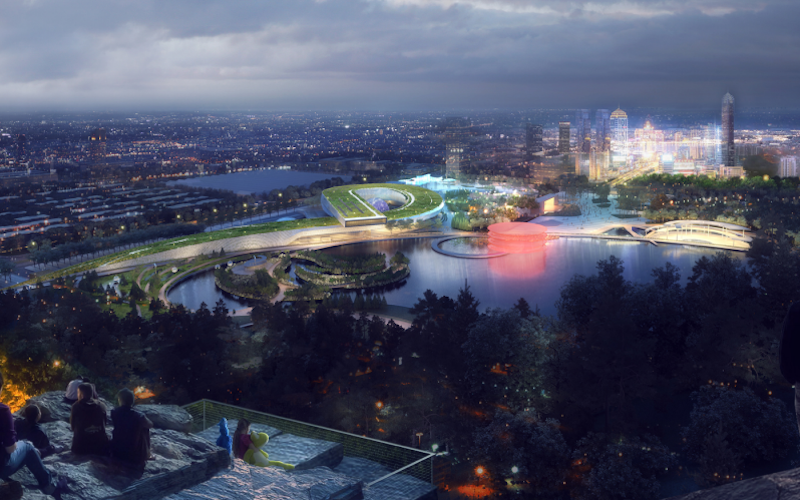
(242, 481)
(212, 433)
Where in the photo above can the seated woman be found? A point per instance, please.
(88, 422)
(28, 429)
(241, 439)
(130, 439)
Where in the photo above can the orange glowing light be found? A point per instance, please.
(479, 470)
(142, 392)
(379, 405)
(471, 491)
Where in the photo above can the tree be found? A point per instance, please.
(156, 305)
(523, 308)
(617, 468)
(745, 428)
(6, 268)
(137, 294)
(610, 364)
(536, 448)
(602, 191)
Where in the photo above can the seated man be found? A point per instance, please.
(15, 455)
(88, 422)
(28, 429)
(130, 439)
(71, 394)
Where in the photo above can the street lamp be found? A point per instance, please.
(514, 469)
(434, 447)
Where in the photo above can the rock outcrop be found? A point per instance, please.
(779, 486)
(181, 460)
(192, 467)
(169, 417)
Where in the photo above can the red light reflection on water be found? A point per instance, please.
(519, 266)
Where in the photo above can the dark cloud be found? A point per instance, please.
(396, 53)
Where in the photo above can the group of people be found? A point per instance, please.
(23, 442)
(130, 438)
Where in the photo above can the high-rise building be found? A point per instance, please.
(97, 144)
(619, 134)
(728, 147)
(533, 140)
(789, 166)
(563, 137)
(602, 131)
(584, 128)
(711, 144)
(455, 143)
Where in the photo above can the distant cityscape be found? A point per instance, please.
(94, 159)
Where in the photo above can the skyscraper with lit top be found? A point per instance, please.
(619, 135)
(728, 147)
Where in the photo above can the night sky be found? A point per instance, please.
(396, 54)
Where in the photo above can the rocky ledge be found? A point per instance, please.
(779, 486)
(192, 467)
(182, 460)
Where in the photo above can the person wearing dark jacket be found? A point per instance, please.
(28, 429)
(15, 455)
(130, 439)
(88, 422)
(789, 353)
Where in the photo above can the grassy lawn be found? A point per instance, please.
(425, 200)
(162, 246)
(121, 310)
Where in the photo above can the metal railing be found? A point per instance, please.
(396, 458)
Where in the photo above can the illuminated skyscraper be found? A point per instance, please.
(584, 126)
(533, 139)
(728, 148)
(711, 144)
(602, 131)
(619, 135)
(455, 143)
(563, 137)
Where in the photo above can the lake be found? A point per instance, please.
(496, 282)
(256, 181)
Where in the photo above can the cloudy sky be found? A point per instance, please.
(396, 54)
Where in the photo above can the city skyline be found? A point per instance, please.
(395, 55)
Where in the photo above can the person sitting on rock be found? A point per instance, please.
(130, 439)
(88, 422)
(241, 439)
(28, 429)
(14, 455)
(71, 394)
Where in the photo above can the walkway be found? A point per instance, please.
(594, 221)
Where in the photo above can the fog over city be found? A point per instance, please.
(395, 54)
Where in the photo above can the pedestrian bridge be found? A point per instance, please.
(723, 234)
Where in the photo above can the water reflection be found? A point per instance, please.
(496, 282)
(201, 288)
